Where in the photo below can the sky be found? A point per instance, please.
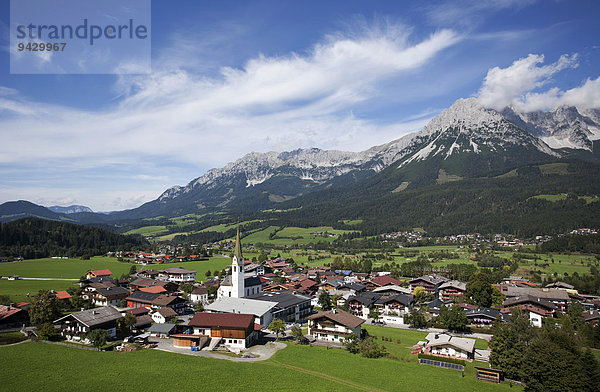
(231, 77)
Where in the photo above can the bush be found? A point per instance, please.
(48, 332)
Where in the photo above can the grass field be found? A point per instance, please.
(18, 289)
(147, 231)
(296, 368)
(291, 235)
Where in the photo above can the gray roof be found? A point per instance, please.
(454, 284)
(241, 305)
(353, 286)
(432, 279)
(161, 328)
(401, 298)
(528, 299)
(96, 316)
(110, 291)
(441, 339)
(178, 271)
(283, 298)
(548, 294)
(491, 313)
(561, 285)
(393, 287)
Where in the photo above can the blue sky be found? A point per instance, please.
(230, 77)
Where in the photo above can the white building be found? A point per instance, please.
(334, 325)
(237, 285)
(446, 345)
(262, 310)
(177, 275)
(199, 294)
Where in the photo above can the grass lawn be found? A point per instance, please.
(62, 268)
(148, 230)
(18, 289)
(296, 368)
(291, 235)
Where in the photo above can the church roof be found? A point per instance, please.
(238, 248)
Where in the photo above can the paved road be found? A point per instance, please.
(483, 336)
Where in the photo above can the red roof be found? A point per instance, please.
(385, 280)
(153, 289)
(104, 272)
(63, 295)
(138, 311)
(227, 320)
(8, 311)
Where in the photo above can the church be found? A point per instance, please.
(237, 285)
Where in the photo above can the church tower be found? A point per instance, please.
(237, 270)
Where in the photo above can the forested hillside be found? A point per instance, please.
(35, 238)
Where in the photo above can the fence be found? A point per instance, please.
(441, 364)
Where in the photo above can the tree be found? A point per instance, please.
(186, 288)
(324, 300)
(132, 270)
(509, 343)
(374, 314)
(420, 294)
(199, 307)
(352, 343)
(5, 299)
(126, 323)
(45, 308)
(369, 348)
(417, 319)
(297, 334)
(277, 326)
(47, 331)
(78, 302)
(457, 319)
(207, 274)
(98, 337)
(480, 289)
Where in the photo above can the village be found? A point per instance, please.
(243, 315)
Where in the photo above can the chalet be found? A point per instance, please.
(381, 281)
(149, 274)
(446, 345)
(392, 290)
(155, 301)
(484, 317)
(257, 269)
(536, 308)
(592, 317)
(334, 325)
(12, 316)
(163, 315)
(199, 294)
(430, 283)
(142, 322)
(236, 331)
(451, 290)
(360, 305)
(109, 296)
(76, 325)
(140, 283)
(177, 275)
(560, 298)
(98, 273)
(351, 288)
(154, 289)
(262, 310)
(395, 308)
(290, 307)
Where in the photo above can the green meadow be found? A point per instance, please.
(295, 368)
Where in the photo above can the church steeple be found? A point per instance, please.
(238, 248)
(237, 269)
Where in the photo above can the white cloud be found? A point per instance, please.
(271, 103)
(514, 84)
(469, 12)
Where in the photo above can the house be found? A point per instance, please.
(142, 322)
(98, 273)
(140, 283)
(392, 290)
(381, 281)
(430, 283)
(12, 316)
(351, 288)
(446, 345)
(154, 300)
(262, 310)
(109, 296)
(75, 326)
(484, 317)
(451, 290)
(536, 308)
(236, 331)
(162, 330)
(394, 309)
(199, 294)
(162, 315)
(560, 298)
(290, 307)
(177, 275)
(334, 325)
(360, 305)
(592, 317)
(63, 296)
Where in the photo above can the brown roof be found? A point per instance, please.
(104, 272)
(138, 311)
(200, 290)
(384, 280)
(228, 320)
(340, 317)
(153, 289)
(62, 295)
(165, 300)
(167, 312)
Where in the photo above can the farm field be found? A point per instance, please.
(295, 368)
(18, 289)
(290, 235)
(148, 230)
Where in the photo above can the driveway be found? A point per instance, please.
(261, 351)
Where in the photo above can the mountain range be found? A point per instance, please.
(464, 142)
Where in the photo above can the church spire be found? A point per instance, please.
(238, 248)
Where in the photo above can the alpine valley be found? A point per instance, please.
(470, 169)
